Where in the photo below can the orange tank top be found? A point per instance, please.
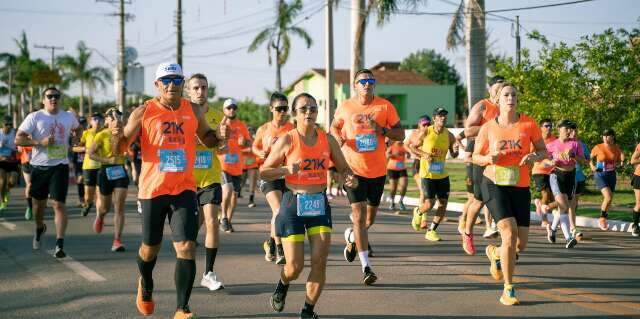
(490, 112)
(168, 148)
(25, 154)
(314, 160)
(397, 158)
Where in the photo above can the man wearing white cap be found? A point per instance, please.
(232, 160)
(167, 126)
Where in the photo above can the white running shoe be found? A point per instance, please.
(36, 242)
(349, 236)
(210, 280)
(490, 233)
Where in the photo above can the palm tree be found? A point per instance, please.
(470, 16)
(277, 36)
(97, 79)
(77, 69)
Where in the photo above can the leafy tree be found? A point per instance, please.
(253, 114)
(437, 68)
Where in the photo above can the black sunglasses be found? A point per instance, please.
(547, 125)
(281, 109)
(231, 107)
(53, 96)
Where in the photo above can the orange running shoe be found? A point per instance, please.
(602, 223)
(496, 267)
(467, 244)
(144, 301)
(184, 314)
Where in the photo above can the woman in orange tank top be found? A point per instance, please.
(302, 157)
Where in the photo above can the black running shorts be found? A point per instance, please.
(236, 181)
(478, 179)
(182, 213)
(635, 181)
(212, 194)
(369, 190)
(392, 174)
(436, 188)
(50, 181)
(507, 201)
(106, 186)
(9, 166)
(291, 227)
(469, 179)
(27, 168)
(90, 177)
(542, 182)
(267, 187)
(563, 183)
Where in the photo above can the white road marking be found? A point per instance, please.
(7, 225)
(80, 269)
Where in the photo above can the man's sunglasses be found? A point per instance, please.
(363, 82)
(53, 96)
(167, 81)
(305, 109)
(281, 109)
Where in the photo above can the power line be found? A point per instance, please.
(52, 12)
(259, 12)
(540, 6)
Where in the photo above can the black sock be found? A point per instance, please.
(185, 274)
(272, 241)
(251, 198)
(603, 213)
(81, 191)
(434, 226)
(307, 307)
(280, 249)
(211, 259)
(281, 286)
(146, 271)
(60, 242)
(636, 217)
(30, 202)
(39, 231)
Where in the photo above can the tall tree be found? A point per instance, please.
(468, 27)
(277, 37)
(77, 69)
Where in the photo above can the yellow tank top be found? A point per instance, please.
(207, 167)
(104, 150)
(437, 145)
(87, 139)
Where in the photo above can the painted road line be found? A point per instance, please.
(7, 225)
(80, 269)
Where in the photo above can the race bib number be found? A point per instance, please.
(436, 167)
(249, 160)
(231, 158)
(172, 161)
(311, 205)
(115, 172)
(399, 165)
(56, 151)
(507, 175)
(366, 142)
(203, 159)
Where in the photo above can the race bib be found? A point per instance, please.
(249, 160)
(231, 158)
(115, 172)
(56, 151)
(366, 142)
(507, 175)
(310, 205)
(399, 165)
(436, 167)
(203, 159)
(172, 161)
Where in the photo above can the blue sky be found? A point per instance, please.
(232, 24)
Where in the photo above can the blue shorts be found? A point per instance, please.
(605, 179)
(291, 227)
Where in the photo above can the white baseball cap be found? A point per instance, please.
(168, 68)
(228, 102)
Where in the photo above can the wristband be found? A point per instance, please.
(461, 135)
(384, 131)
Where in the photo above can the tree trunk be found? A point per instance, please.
(476, 51)
(30, 99)
(90, 102)
(278, 73)
(81, 106)
(358, 27)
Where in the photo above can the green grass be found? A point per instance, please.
(623, 199)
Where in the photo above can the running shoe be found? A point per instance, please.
(572, 242)
(369, 276)
(117, 246)
(251, 205)
(496, 268)
(490, 232)
(467, 244)
(551, 234)
(350, 252)
(278, 299)
(210, 280)
(308, 315)
(635, 230)
(392, 206)
(98, 223)
(417, 218)
(577, 234)
(508, 297)
(5, 198)
(37, 238)
(59, 252)
(602, 223)
(184, 313)
(402, 207)
(230, 228)
(224, 225)
(280, 260)
(144, 300)
(85, 210)
(269, 250)
(432, 235)
(28, 214)
(3, 205)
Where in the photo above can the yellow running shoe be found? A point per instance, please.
(432, 235)
(495, 269)
(508, 297)
(417, 217)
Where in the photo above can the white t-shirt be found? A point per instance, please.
(40, 125)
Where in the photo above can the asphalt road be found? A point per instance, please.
(417, 279)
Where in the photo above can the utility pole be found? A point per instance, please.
(53, 51)
(357, 19)
(329, 72)
(179, 34)
(518, 41)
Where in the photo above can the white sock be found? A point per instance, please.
(364, 258)
(556, 221)
(564, 224)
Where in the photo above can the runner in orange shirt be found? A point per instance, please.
(360, 126)
(167, 184)
(266, 136)
(605, 158)
(635, 183)
(232, 160)
(503, 145)
(397, 173)
(250, 171)
(25, 156)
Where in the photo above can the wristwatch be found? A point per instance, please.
(384, 131)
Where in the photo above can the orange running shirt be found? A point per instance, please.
(363, 148)
(232, 159)
(314, 160)
(398, 156)
(268, 134)
(539, 167)
(637, 170)
(25, 154)
(609, 155)
(168, 148)
(512, 144)
(490, 112)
